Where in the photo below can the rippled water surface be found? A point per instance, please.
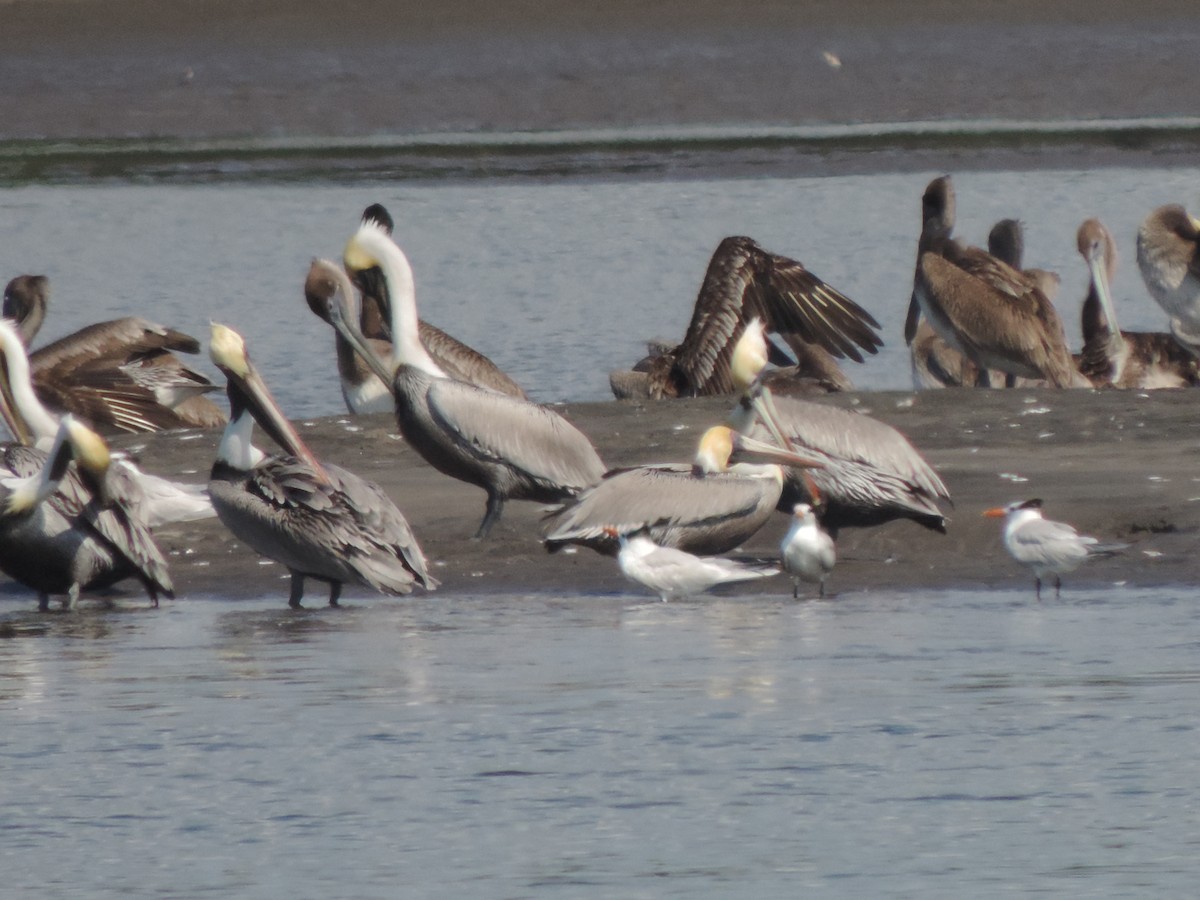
(907, 745)
(559, 282)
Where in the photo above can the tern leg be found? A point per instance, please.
(495, 504)
(43, 602)
(335, 591)
(1038, 586)
(821, 590)
(297, 590)
(1057, 586)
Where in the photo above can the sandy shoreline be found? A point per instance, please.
(1118, 465)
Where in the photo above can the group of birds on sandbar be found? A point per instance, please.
(76, 517)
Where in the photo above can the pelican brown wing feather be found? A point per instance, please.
(128, 337)
(744, 281)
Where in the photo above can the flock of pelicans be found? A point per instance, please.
(75, 517)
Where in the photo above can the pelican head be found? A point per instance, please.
(749, 355)
(937, 207)
(248, 393)
(721, 447)
(362, 250)
(1099, 251)
(325, 281)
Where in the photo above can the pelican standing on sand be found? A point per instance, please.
(984, 308)
(119, 375)
(869, 473)
(808, 551)
(711, 506)
(510, 447)
(1168, 253)
(674, 574)
(1047, 547)
(63, 531)
(1124, 359)
(743, 281)
(318, 520)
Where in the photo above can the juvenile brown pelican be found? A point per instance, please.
(456, 359)
(120, 375)
(318, 520)
(1006, 242)
(869, 473)
(743, 281)
(675, 574)
(65, 530)
(711, 506)
(1048, 548)
(361, 388)
(998, 317)
(153, 500)
(808, 551)
(512, 448)
(1168, 252)
(1124, 359)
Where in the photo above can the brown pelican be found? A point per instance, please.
(317, 519)
(743, 281)
(152, 500)
(869, 473)
(711, 506)
(67, 530)
(674, 574)
(1124, 359)
(808, 551)
(120, 375)
(1168, 253)
(361, 388)
(455, 358)
(1006, 242)
(1049, 548)
(997, 316)
(510, 447)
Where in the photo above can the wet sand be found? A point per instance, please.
(117, 69)
(1118, 465)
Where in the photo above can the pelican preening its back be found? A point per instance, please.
(744, 281)
(711, 506)
(1124, 359)
(869, 474)
(997, 316)
(1168, 254)
(65, 530)
(154, 500)
(510, 447)
(120, 375)
(319, 520)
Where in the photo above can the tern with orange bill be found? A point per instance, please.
(1045, 546)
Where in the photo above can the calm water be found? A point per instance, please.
(901, 745)
(559, 282)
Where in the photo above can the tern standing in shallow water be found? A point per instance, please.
(1047, 547)
(808, 552)
(674, 574)
(317, 519)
